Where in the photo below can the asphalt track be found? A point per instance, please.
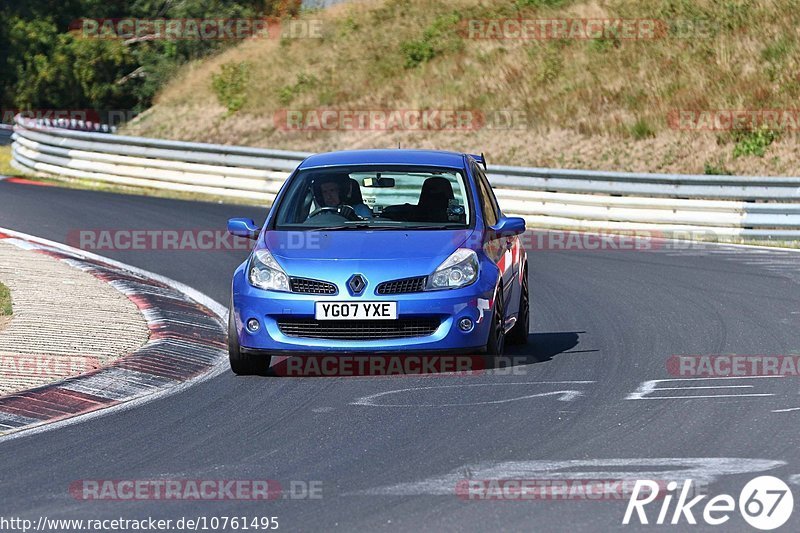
(604, 322)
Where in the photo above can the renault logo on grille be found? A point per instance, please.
(357, 283)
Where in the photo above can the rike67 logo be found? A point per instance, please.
(765, 503)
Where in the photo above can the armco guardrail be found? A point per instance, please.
(724, 206)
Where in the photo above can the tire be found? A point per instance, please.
(495, 344)
(242, 364)
(519, 333)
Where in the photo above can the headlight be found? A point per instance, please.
(458, 270)
(266, 273)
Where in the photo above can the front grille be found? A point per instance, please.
(358, 329)
(401, 286)
(311, 286)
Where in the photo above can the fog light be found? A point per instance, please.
(465, 324)
(253, 325)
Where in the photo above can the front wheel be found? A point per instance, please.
(495, 345)
(243, 364)
(519, 333)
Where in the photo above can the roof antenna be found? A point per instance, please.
(398, 145)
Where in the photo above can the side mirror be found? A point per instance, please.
(243, 227)
(508, 226)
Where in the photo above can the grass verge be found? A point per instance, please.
(5, 301)
(5, 162)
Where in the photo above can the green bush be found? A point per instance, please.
(230, 85)
(5, 300)
(641, 130)
(715, 169)
(438, 38)
(288, 93)
(416, 52)
(754, 142)
(44, 65)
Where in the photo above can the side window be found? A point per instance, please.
(488, 201)
(490, 193)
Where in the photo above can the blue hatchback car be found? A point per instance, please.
(380, 252)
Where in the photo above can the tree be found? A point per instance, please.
(45, 65)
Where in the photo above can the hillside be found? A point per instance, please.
(641, 103)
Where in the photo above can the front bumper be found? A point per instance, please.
(449, 306)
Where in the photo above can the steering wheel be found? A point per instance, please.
(344, 210)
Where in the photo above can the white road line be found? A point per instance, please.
(786, 410)
(564, 395)
(651, 386)
(689, 397)
(708, 387)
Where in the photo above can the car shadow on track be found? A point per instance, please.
(541, 347)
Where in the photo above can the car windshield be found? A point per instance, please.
(351, 198)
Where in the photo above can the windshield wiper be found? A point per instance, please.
(357, 226)
(451, 226)
(375, 227)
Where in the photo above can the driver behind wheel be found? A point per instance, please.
(333, 193)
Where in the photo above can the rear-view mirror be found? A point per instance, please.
(378, 181)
